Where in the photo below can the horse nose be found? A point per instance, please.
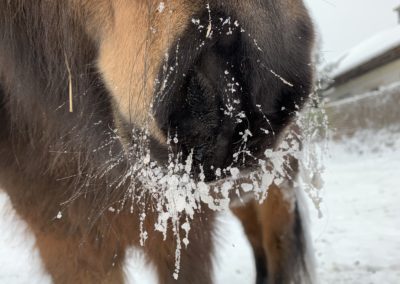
(207, 105)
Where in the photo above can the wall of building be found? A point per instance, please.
(371, 111)
(371, 81)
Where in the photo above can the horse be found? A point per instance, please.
(94, 93)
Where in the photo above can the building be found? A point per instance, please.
(367, 67)
(397, 10)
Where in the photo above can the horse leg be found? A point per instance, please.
(75, 259)
(195, 259)
(248, 215)
(72, 250)
(277, 221)
(278, 240)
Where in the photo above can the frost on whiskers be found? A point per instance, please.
(176, 196)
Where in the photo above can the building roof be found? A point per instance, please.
(372, 53)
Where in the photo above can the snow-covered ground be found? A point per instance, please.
(356, 241)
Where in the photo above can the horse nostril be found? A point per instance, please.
(199, 154)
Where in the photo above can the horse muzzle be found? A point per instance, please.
(222, 99)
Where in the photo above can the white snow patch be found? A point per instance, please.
(161, 7)
(19, 259)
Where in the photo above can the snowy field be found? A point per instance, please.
(356, 241)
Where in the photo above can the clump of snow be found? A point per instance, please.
(284, 81)
(161, 7)
(59, 215)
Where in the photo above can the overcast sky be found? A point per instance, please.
(344, 23)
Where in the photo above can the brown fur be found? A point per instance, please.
(269, 227)
(137, 26)
(53, 160)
